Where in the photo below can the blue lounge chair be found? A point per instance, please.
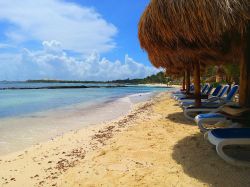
(204, 92)
(183, 96)
(186, 103)
(209, 90)
(215, 93)
(231, 136)
(212, 105)
(227, 114)
(178, 94)
(211, 118)
(182, 93)
(204, 89)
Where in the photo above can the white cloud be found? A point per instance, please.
(5, 46)
(54, 63)
(77, 28)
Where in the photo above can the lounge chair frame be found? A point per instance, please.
(220, 143)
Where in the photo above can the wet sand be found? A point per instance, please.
(154, 145)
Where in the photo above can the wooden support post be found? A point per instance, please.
(197, 84)
(245, 72)
(187, 81)
(184, 82)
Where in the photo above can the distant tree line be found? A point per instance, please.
(157, 78)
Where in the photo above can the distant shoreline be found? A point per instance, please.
(112, 85)
(59, 87)
(158, 78)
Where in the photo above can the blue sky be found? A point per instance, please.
(124, 14)
(71, 39)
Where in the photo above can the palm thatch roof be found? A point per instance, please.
(191, 30)
(201, 31)
(198, 21)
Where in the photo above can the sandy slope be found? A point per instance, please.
(153, 146)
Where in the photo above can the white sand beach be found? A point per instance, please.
(154, 145)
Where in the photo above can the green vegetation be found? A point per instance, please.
(158, 78)
(226, 74)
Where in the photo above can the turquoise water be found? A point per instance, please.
(28, 117)
(21, 102)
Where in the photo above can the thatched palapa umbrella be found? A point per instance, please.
(171, 56)
(195, 29)
(171, 66)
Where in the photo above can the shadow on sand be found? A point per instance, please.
(199, 160)
(178, 118)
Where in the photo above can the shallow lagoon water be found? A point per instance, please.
(28, 117)
(21, 102)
